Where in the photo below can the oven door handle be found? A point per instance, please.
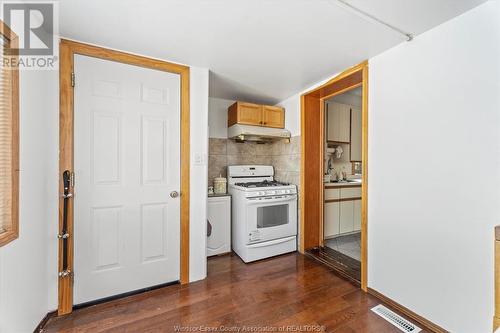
(272, 242)
(253, 201)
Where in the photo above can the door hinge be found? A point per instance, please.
(72, 79)
(65, 273)
(65, 236)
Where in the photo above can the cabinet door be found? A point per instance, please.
(339, 117)
(274, 116)
(346, 216)
(356, 135)
(344, 134)
(332, 121)
(331, 193)
(249, 114)
(245, 114)
(357, 215)
(331, 225)
(350, 192)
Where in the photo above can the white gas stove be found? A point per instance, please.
(264, 213)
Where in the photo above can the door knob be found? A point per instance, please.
(174, 194)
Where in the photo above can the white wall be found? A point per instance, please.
(292, 108)
(217, 117)
(199, 173)
(292, 113)
(434, 171)
(23, 262)
(434, 175)
(52, 180)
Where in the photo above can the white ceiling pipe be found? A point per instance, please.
(368, 17)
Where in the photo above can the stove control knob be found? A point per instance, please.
(262, 193)
(272, 192)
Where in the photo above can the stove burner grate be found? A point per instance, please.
(265, 183)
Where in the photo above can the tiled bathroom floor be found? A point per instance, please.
(350, 245)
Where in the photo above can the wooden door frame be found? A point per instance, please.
(312, 165)
(67, 50)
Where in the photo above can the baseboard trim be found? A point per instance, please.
(123, 295)
(41, 324)
(424, 323)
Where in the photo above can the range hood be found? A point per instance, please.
(257, 133)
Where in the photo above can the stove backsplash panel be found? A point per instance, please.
(285, 157)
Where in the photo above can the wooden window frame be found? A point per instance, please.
(12, 230)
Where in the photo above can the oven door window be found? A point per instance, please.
(272, 216)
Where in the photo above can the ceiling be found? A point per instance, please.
(262, 50)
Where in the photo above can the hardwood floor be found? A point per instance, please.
(287, 290)
(339, 262)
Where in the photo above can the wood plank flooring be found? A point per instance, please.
(289, 290)
(339, 262)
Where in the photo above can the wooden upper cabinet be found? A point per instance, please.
(338, 123)
(245, 114)
(256, 115)
(356, 135)
(274, 116)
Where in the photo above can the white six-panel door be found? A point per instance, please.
(127, 163)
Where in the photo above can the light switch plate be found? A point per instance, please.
(199, 158)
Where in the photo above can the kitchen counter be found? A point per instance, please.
(219, 195)
(342, 184)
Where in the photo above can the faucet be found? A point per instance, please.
(329, 167)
